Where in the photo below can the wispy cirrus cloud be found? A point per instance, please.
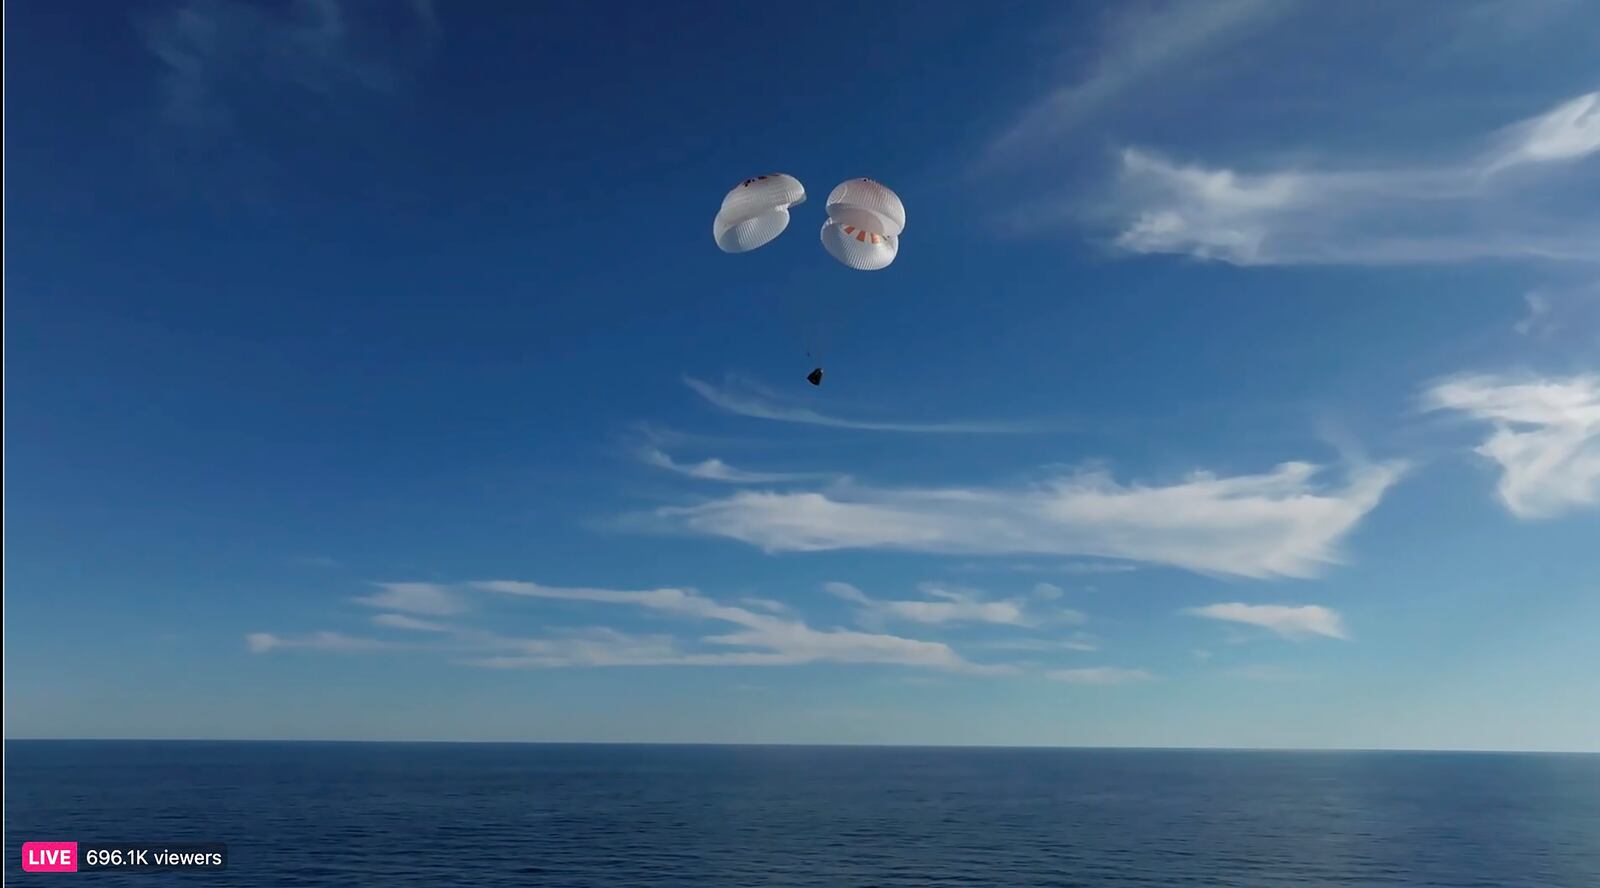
(1555, 310)
(1140, 42)
(1078, 642)
(767, 604)
(764, 633)
(1064, 568)
(716, 470)
(430, 599)
(1562, 312)
(946, 604)
(1101, 675)
(745, 398)
(760, 639)
(1288, 621)
(1570, 131)
(262, 642)
(592, 647)
(1537, 321)
(225, 58)
(1521, 197)
(1546, 437)
(401, 621)
(1280, 523)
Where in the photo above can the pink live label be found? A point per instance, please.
(50, 857)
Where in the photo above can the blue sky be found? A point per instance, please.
(372, 373)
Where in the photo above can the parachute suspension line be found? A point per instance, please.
(864, 222)
(798, 312)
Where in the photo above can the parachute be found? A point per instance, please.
(862, 231)
(859, 248)
(868, 204)
(756, 211)
(864, 223)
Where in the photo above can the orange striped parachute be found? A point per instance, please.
(862, 231)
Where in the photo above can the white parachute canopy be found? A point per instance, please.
(864, 223)
(867, 204)
(756, 211)
(857, 247)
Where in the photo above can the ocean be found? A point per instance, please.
(412, 814)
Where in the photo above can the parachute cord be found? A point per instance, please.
(798, 316)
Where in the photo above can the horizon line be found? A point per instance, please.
(793, 745)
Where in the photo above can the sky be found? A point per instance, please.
(372, 373)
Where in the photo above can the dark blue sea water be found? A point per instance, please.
(435, 814)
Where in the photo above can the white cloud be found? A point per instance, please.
(955, 605)
(766, 604)
(1275, 524)
(1097, 567)
(1069, 568)
(1537, 320)
(717, 470)
(1567, 132)
(947, 604)
(589, 647)
(1100, 675)
(765, 639)
(401, 621)
(415, 598)
(221, 52)
(1560, 309)
(1285, 620)
(262, 642)
(1047, 591)
(846, 592)
(1546, 438)
(1078, 643)
(746, 399)
(1140, 43)
(1062, 567)
(1376, 215)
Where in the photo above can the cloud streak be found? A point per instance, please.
(761, 639)
(745, 399)
(1140, 43)
(1509, 202)
(263, 642)
(430, 599)
(1077, 643)
(1567, 132)
(944, 604)
(223, 56)
(1546, 437)
(401, 621)
(717, 470)
(594, 647)
(1280, 523)
(1285, 620)
(1554, 311)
